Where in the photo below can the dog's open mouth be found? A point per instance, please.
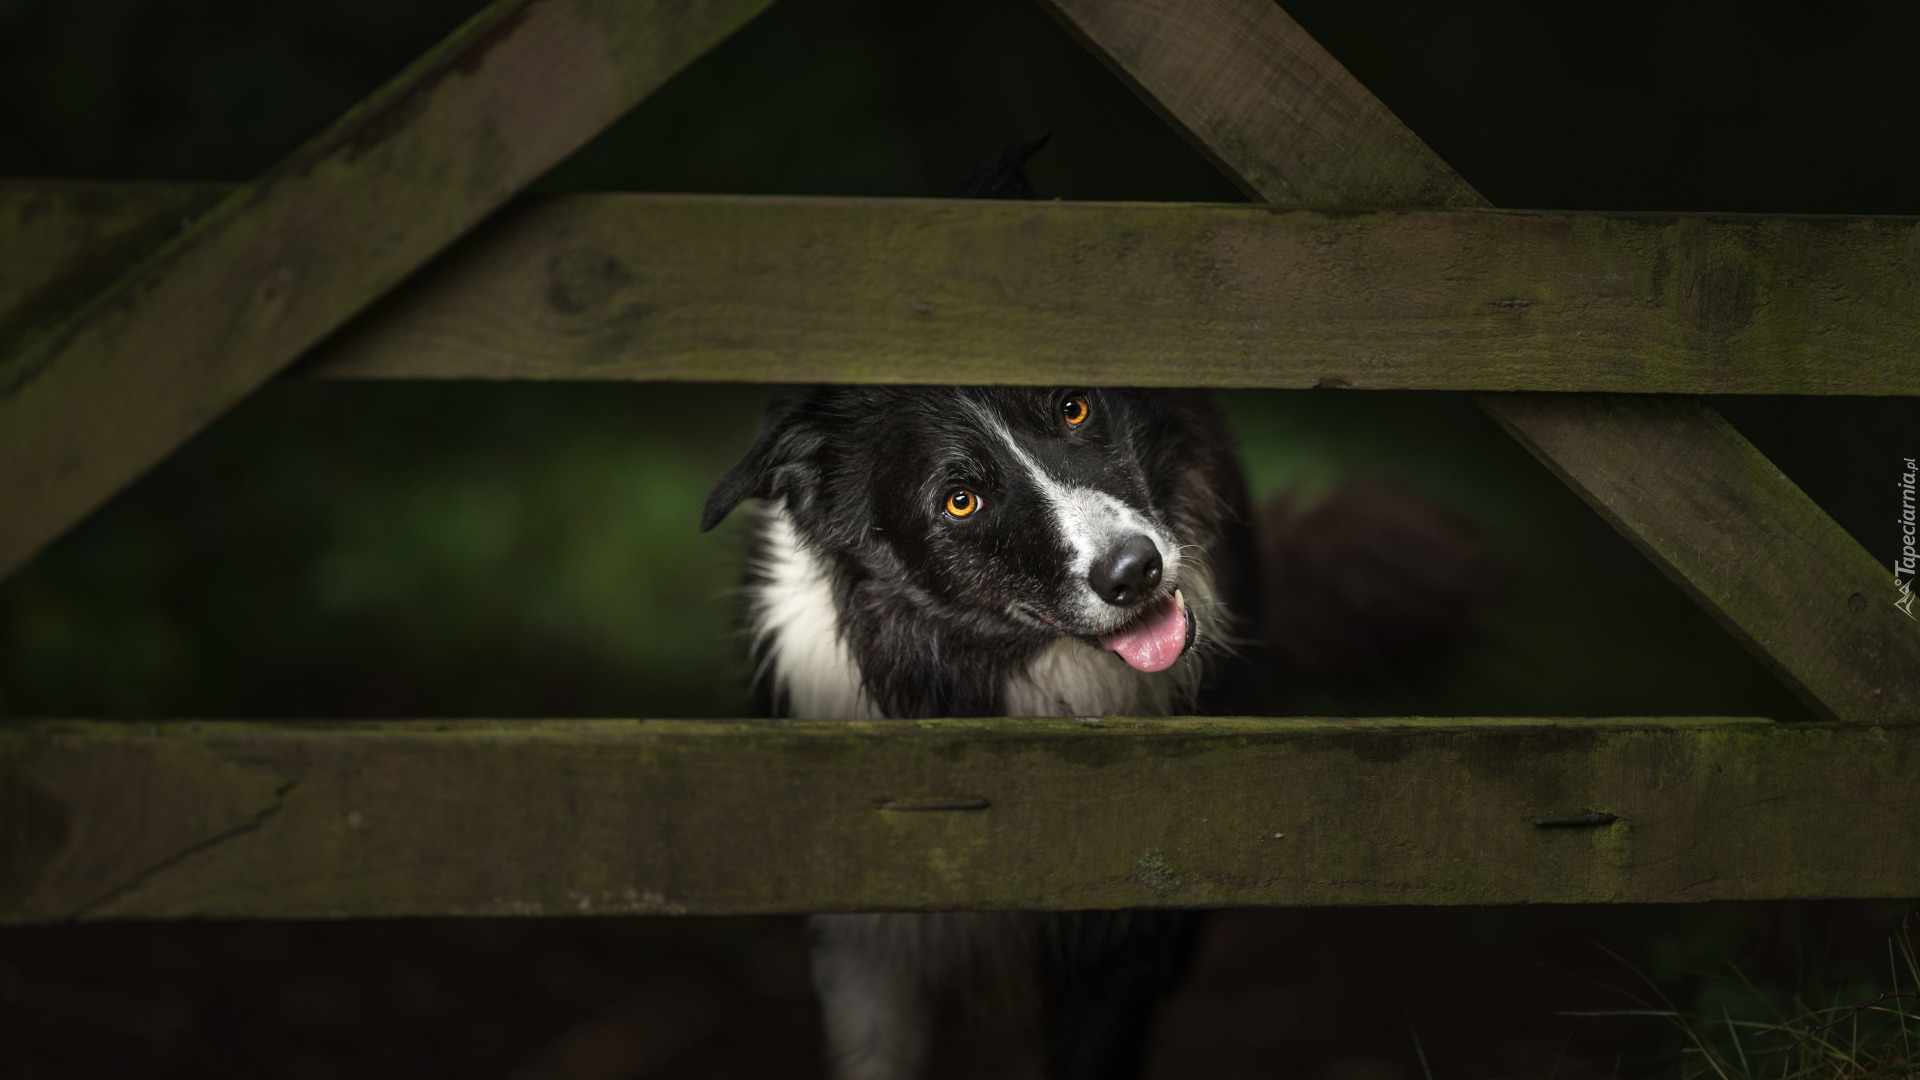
(1157, 640)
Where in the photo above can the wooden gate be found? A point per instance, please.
(133, 317)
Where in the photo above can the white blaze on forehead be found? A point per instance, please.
(1090, 521)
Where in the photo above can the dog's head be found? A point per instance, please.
(1025, 513)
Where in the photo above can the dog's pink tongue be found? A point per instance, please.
(1157, 642)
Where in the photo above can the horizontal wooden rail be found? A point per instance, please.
(901, 290)
(168, 820)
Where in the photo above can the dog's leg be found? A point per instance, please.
(1105, 973)
(877, 1005)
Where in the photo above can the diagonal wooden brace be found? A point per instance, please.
(1252, 89)
(92, 400)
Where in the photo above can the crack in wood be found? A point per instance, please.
(142, 877)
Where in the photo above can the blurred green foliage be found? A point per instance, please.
(354, 550)
(382, 550)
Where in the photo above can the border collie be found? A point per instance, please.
(991, 551)
(933, 551)
(928, 551)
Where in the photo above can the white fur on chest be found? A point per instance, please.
(795, 622)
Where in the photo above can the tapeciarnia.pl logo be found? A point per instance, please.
(1905, 563)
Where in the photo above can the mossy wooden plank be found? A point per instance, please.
(94, 398)
(895, 290)
(721, 288)
(1801, 594)
(1750, 581)
(62, 241)
(582, 817)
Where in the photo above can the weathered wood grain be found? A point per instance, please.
(1802, 595)
(1749, 580)
(119, 820)
(894, 290)
(62, 241)
(93, 399)
(891, 290)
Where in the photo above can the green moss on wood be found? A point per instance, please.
(581, 817)
(728, 288)
(1156, 874)
(64, 241)
(718, 289)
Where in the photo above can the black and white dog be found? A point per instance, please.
(990, 551)
(956, 551)
(940, 551)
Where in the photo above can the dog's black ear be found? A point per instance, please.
(752, 477)
(1004, 177)
(745, 480)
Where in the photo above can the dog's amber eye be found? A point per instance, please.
(1075, 410)
(963, 503)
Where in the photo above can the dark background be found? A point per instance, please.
(335, 550)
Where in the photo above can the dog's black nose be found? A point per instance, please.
(1127, 572)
